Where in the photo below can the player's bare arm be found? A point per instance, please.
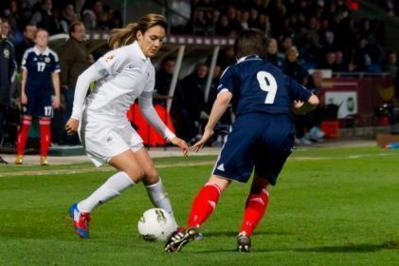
(24, 98)
(219, 107)
(56, 84)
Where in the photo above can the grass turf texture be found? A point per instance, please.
(330, 207)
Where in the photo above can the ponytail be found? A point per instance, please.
(123, 36)
(127, 35)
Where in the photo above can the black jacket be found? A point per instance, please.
(8, 67)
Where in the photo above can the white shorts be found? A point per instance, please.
(104, 140)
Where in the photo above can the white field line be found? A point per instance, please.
(184, 164)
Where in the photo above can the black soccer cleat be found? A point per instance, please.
(180, 238)
(243, 243)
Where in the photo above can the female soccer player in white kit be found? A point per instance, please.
(121, 76)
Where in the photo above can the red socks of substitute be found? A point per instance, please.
(45, 135)
(254, 211)
(23, 134)
(203, 205)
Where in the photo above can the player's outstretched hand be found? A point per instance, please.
(205, 137)
(181, 144)
(71, 126)
(298, 104)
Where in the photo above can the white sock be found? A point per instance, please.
(110, 189)
(159, 197)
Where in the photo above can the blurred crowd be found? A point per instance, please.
(326, 33)
(303, 35)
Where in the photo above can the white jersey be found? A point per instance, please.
(126, 74)
(122, 75)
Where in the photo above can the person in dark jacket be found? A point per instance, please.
(194, 99)
(7, 71)
(74, 59)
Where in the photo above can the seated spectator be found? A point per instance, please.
(92, 14)
(329, 61)
(391, 63)
(42, 14)
(68, 16)
(162, 85)
(340, 65)
(273, 55)
(360, 59)
(194, 96)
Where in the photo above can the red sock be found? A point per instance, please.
(203, 205)
(254, 210)
(23, 134)
(45, 136)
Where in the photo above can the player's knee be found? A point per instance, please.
(151, 176)
(136, 174)
(221, 183)
(259, 184)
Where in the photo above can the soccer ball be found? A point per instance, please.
(156, 224)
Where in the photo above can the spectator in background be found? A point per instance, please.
(6, 31)
(286, 44)
(92, 15)
(244, 19)
(330, 61)
(264, 24)
(68, 16)
(273, 55)
(340, 65)
(28, 41)
(293, 68)
(296, 71)
(178, 20)
(223, 26)
(162, 85)
(74, 59)
(360, 58)
(164, 76)
(253, 18)
(391, 63)
(42, 15)
(227, 58)
(12, 13)
(194, 96)
(7, 71)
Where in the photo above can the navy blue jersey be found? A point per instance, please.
(40, 67)
(260, 87)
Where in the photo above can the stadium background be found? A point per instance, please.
(335, 203)
(363, 82)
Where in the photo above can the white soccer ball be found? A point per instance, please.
(156, 224)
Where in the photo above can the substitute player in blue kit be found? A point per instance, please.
(40, 81)
(262, 136)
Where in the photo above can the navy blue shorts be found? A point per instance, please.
(262, 141)
(39, 104)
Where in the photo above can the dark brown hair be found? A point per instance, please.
(123, 36)
(250, 41)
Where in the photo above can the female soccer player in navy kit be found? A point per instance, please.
(262, 136)
(40, 78)
(122, 75)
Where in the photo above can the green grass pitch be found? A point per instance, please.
(331, 206)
